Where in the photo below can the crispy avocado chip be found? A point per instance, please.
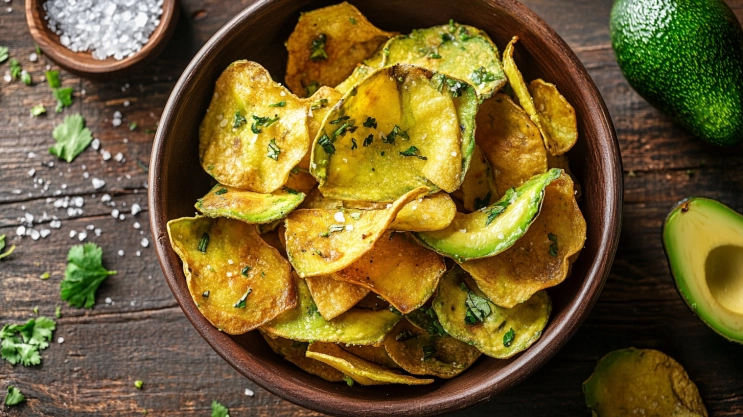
(493, 229)
(563, 163)
(373, 354)
(354, 327)
(520, 90)
(361, 371)
(295, 352)
(541, 258)
(237, 281)
(318, 107)
(459, 51)
(327, 44)
(334, 297)
(397, 130)
(467, 315)
(510, 142)
(556, 115)
(359, 73)
(254, 131)
(320, 241)
(247, 206)
(641, 382)
(398, 269)
(478, 188)
(421, 353)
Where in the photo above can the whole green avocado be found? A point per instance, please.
(686, 58)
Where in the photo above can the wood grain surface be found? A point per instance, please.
(142, 334)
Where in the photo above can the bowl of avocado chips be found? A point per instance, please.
(331, 195)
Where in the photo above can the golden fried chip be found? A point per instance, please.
(247, 206)
(643, 382)
(237, 281)
(326, 45)
(510, 142)
(373, 354)
(361, 371)
(354, 327)
(478, 188)
(556, 114)
(334, 297)
(398, 269)
(320, 242)
(397, 130)
(359, 73)
(493, 229)
(467, 315)
(254, 131)
(295, 352)
(318, 107)
(541, 258)
(421, 353)
(459, 51)
(563, 163)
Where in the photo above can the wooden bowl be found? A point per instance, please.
(258, 33)
(83, 63)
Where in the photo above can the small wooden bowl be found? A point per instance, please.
(258, 33)
(83, 63)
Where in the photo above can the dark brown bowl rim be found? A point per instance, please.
(49, 43)
(510, 375)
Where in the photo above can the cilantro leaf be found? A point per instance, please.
(273, 150)
(482, 76)
(317, 48)
(52, 77)
(218, 410)
(413, 151)
(34, 336)
(238, 120)
(38, 110)
(72, 138)
(3, 53)
(477, 308)
(83, 276)
(326, 144)
(15, 68)
(64, 98)
(2, 246)
(14, 396)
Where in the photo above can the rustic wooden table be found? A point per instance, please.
(137, 332)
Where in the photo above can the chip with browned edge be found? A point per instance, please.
(247, 206)
(295, 352)
(334, 297)
(556, 114)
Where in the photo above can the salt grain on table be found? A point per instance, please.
(110, 28)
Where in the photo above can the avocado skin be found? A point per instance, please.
(686, 58)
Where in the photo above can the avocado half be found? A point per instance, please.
(703, 240)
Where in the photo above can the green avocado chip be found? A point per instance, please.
(248, 206)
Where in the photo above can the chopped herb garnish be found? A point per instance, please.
(221, 191)
(341, 131)
(26, 77)
(150, 131)
(15, 68)
(312, 309)
(326, 144)
(14, 395)
(205, 294)
(482, 76)
(404, 335)
(45, 275)
(339, 120)
(478, 308)
(2, 246)
(218, 410)
(21, 343)
(311, 88)
(396, 131)
(484, 202)
(242, 301)
(553, 247)
(317, 48)
(368, 140)
(263, 273)
(355, 215)
(452, 26)
(279, 104)
(38, 110)
(334, 228)
(352, 20)
(319, 104)
(456, 87)
(204, 242)
(291, 190)
(245, 271)
(508, 337)
(138, 384)
(52, 77)
(434, 55)
(382, 153)
(348, 380)
(500, 206)
(64, 98)
(262, 121)
(132, 126)
(57, 312)
(428, 352)
(72, 138)
(464, 34)
(273, 150)
(3, 54)
(353, 144)
(83, 276)
(446, 37)
(238, 120)
(370, 122)
(412, 151)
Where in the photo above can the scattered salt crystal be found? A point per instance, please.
(105, 198)
(120, 252)
(339, 217)
(230, 261)
(29, 218)
(81, 236)
(31, 172)
(55, 224)
(78, 201)
(63, 186)
(136, 208)
(136, 225)
(73, 233)
(138, 253)
(106, 155)
(33, 57)
(35, 235)
(86, 175)
(89, 227)
(115, 213)
(16, 192)
(145, 242)
(45, 232)
(98, 183)
(229, 274)
(454, 153)
(95, 144)
(349, 227)
(60, 340)
(97, 232)
(7, 78)
(127, 103)
(122, 217)
(119, 157)
(249, 392)
(109, 300)
(116, 122)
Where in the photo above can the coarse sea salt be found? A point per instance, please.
(108, 28)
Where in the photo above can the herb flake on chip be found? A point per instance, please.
(500, 207)
(413, 151)
(273, 150)
(311, 88)
(370, 122)
(508, 337)
(319, 104)
(204, 242)
(279, 104)
(478, 308)
(326, 144)
(245, 271)
(317, 48)
(428, 352)
(354, 145)
(262, 122)
(553, 247)
(239, 120)
(242, 302)
(482, 203)
(83, 276)
(221, 191)
(368, 141)
(482, 76)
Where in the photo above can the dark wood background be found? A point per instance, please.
(143, 335)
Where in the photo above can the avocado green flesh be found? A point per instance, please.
(686, 58)
(703, 240)
(469, 237)
(248, 206)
